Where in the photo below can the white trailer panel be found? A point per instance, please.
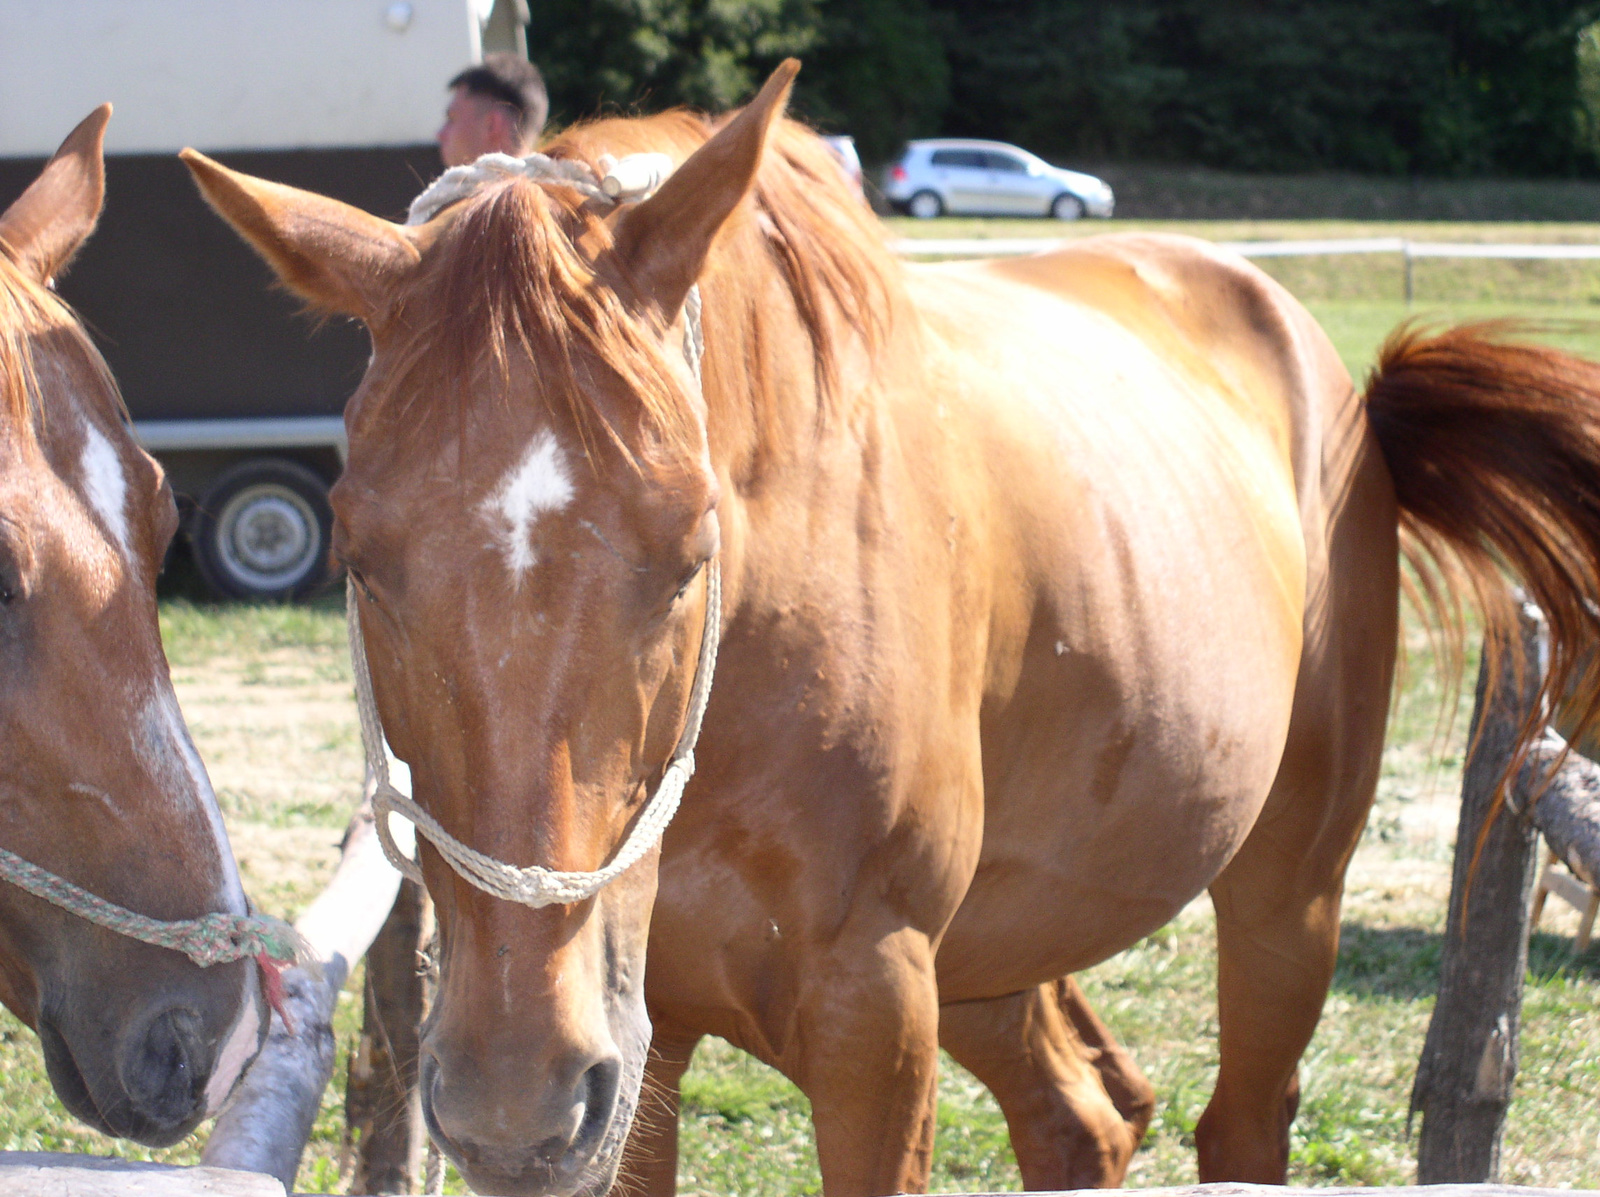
(231, 74)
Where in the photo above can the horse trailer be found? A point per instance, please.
(236, 392)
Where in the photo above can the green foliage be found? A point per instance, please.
(874, 68)
(707, 54)
(1431, 87)
(1439, 87)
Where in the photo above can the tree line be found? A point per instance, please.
(1395, 87)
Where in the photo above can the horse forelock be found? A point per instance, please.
(525, 271)
(526, 268)
(32, 317)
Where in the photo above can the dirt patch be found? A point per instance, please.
(279, 735)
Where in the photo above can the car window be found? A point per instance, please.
(1005, 162)
(958, 158)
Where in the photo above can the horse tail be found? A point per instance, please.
(1494, 448)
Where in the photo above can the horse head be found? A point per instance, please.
(527, 516)
(99, 781)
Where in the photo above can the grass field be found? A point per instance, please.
(267, 694)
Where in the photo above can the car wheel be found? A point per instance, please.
(925, 205)
(262, 532)
(1067, 207)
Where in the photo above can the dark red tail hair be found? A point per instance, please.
(1494, 446)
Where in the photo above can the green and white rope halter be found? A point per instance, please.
(217, 938)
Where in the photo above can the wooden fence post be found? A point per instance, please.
(383, 1107)
(1469, 1060)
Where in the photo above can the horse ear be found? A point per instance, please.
(664, 241)
(336, 257)
(52, 218)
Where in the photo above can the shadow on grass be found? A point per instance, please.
(1403, 962)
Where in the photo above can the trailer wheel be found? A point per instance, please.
(262, 531)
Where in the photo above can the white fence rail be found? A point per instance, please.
(999, 247)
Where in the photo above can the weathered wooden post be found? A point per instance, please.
(1469, 1060)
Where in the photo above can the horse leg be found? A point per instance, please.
(650, 1158)
(866, 1052)
(1278, 900)
(1129, 1089)
(1075, 1102)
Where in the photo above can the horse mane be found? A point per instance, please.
(30, 315)
(529, 265)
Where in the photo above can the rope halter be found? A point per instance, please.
(217, 938)
(620, 180)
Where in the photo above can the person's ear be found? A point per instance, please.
(504, 127)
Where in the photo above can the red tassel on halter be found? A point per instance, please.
(272, 988)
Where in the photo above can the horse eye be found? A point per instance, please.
(8, 595)
(687, 579)
(361, 583)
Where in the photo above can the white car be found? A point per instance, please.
(990, 178)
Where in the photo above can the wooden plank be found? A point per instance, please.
(1566, 806)
(45, 1174)
(1566, 887)
(1469, 1060)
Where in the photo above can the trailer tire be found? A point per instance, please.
(262, 531)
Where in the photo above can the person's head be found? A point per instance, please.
(498, 107)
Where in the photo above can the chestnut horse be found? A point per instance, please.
(99, 781)
(1054, 591)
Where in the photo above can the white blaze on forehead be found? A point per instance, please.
(539, 482)
(162, 742)
(104, 483)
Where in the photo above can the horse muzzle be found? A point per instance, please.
(550, 1136)
(156, 1076)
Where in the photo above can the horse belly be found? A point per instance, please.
(1134, 736)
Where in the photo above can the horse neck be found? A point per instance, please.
(767, 387)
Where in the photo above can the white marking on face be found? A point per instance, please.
(163, 743)
(105, 484)
(240, 1047)
(539, 482)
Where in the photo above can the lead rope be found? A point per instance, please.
(631, 178)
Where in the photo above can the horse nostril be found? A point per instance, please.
(163, 1072)
(594, 1101)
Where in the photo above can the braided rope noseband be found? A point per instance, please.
(217, 938)
(630, 178)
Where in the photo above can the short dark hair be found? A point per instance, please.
(511, 80)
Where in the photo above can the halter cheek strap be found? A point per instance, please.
(620, 180)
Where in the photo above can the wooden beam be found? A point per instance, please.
(1564, 806)
(46, 1174)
